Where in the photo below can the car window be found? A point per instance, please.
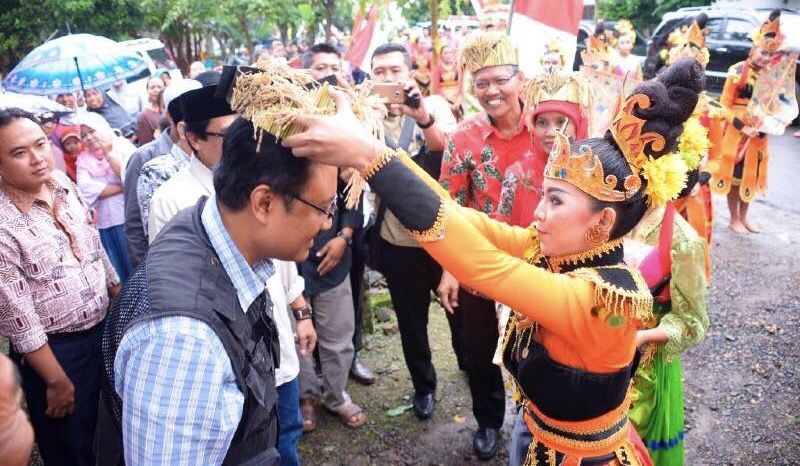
(714, 26)
(161, 58)
(738, 30)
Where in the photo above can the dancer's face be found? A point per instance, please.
(564, 215)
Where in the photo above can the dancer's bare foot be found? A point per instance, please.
(738, 227)
(751, 227)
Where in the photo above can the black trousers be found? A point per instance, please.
(67, 440)
(357, 286)
(412, 275)
(479, 333)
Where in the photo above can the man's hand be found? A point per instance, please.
(331, 254)
(419, 114)
(448, 292)
(16, 434)
(60, 397)
(306, 337)
(750, 132)
(113, 292)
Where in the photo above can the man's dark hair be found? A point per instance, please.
(9, 115)
(392, 47)
(245, 165)
(198, 128)
(322, 47)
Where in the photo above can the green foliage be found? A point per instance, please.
(415, 11)
(26, 24)
(185, 26)
(644, 14)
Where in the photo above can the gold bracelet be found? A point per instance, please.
(378, 163)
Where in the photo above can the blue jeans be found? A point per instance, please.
(291, 422)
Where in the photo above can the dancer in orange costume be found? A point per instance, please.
(740, 171)
(571, 346)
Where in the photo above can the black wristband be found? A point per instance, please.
(303, 313)
(430, 122)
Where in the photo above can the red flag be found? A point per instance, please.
(362, 39)
(536, 23)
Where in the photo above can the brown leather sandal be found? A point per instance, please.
(309, 411)
(351, 415)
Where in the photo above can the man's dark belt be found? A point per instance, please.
(59, 336)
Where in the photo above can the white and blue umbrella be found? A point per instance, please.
(71, 63)
(33, 103)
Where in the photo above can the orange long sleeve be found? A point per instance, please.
(487, 256)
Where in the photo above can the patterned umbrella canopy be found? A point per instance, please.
(71, 63)
(32, 103)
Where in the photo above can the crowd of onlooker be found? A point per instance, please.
(136, 161)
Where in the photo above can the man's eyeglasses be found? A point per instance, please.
(329, 212)
(483, 84)
(215, 134)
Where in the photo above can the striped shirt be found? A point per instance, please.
(54, 273)
(180, 401)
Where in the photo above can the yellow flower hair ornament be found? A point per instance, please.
(693, 143)
(666, 178)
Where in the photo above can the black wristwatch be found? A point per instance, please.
(303, 313)
(430, 122)
(347, 238)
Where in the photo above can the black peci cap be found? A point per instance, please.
(202, 104)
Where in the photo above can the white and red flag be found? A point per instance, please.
(365, 39)
(536, 23)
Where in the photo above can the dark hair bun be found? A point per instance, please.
(600, 28)
(701, 19)
(673, 97)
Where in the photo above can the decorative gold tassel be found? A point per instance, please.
(353, 190)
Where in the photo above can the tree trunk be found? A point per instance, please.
(329, 5)
(245, 24)
(177, 53)
(284, 31)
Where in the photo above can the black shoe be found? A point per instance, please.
(423, 405)
(485, 442)
(361, 373)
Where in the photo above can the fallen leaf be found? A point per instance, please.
(394, 412)
(459, 419)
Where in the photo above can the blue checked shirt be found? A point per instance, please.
(180, 402)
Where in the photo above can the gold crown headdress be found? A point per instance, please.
(585, 171)
(666, 175)
(481, 49)
(598, 47)
(768, 36)
(495, 14)
(561, 86)
(625, 27)
(556, 46)
(688, 42)
(272, 93)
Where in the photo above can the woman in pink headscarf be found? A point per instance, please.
(99, 178)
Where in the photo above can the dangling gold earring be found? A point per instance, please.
(596, 235)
